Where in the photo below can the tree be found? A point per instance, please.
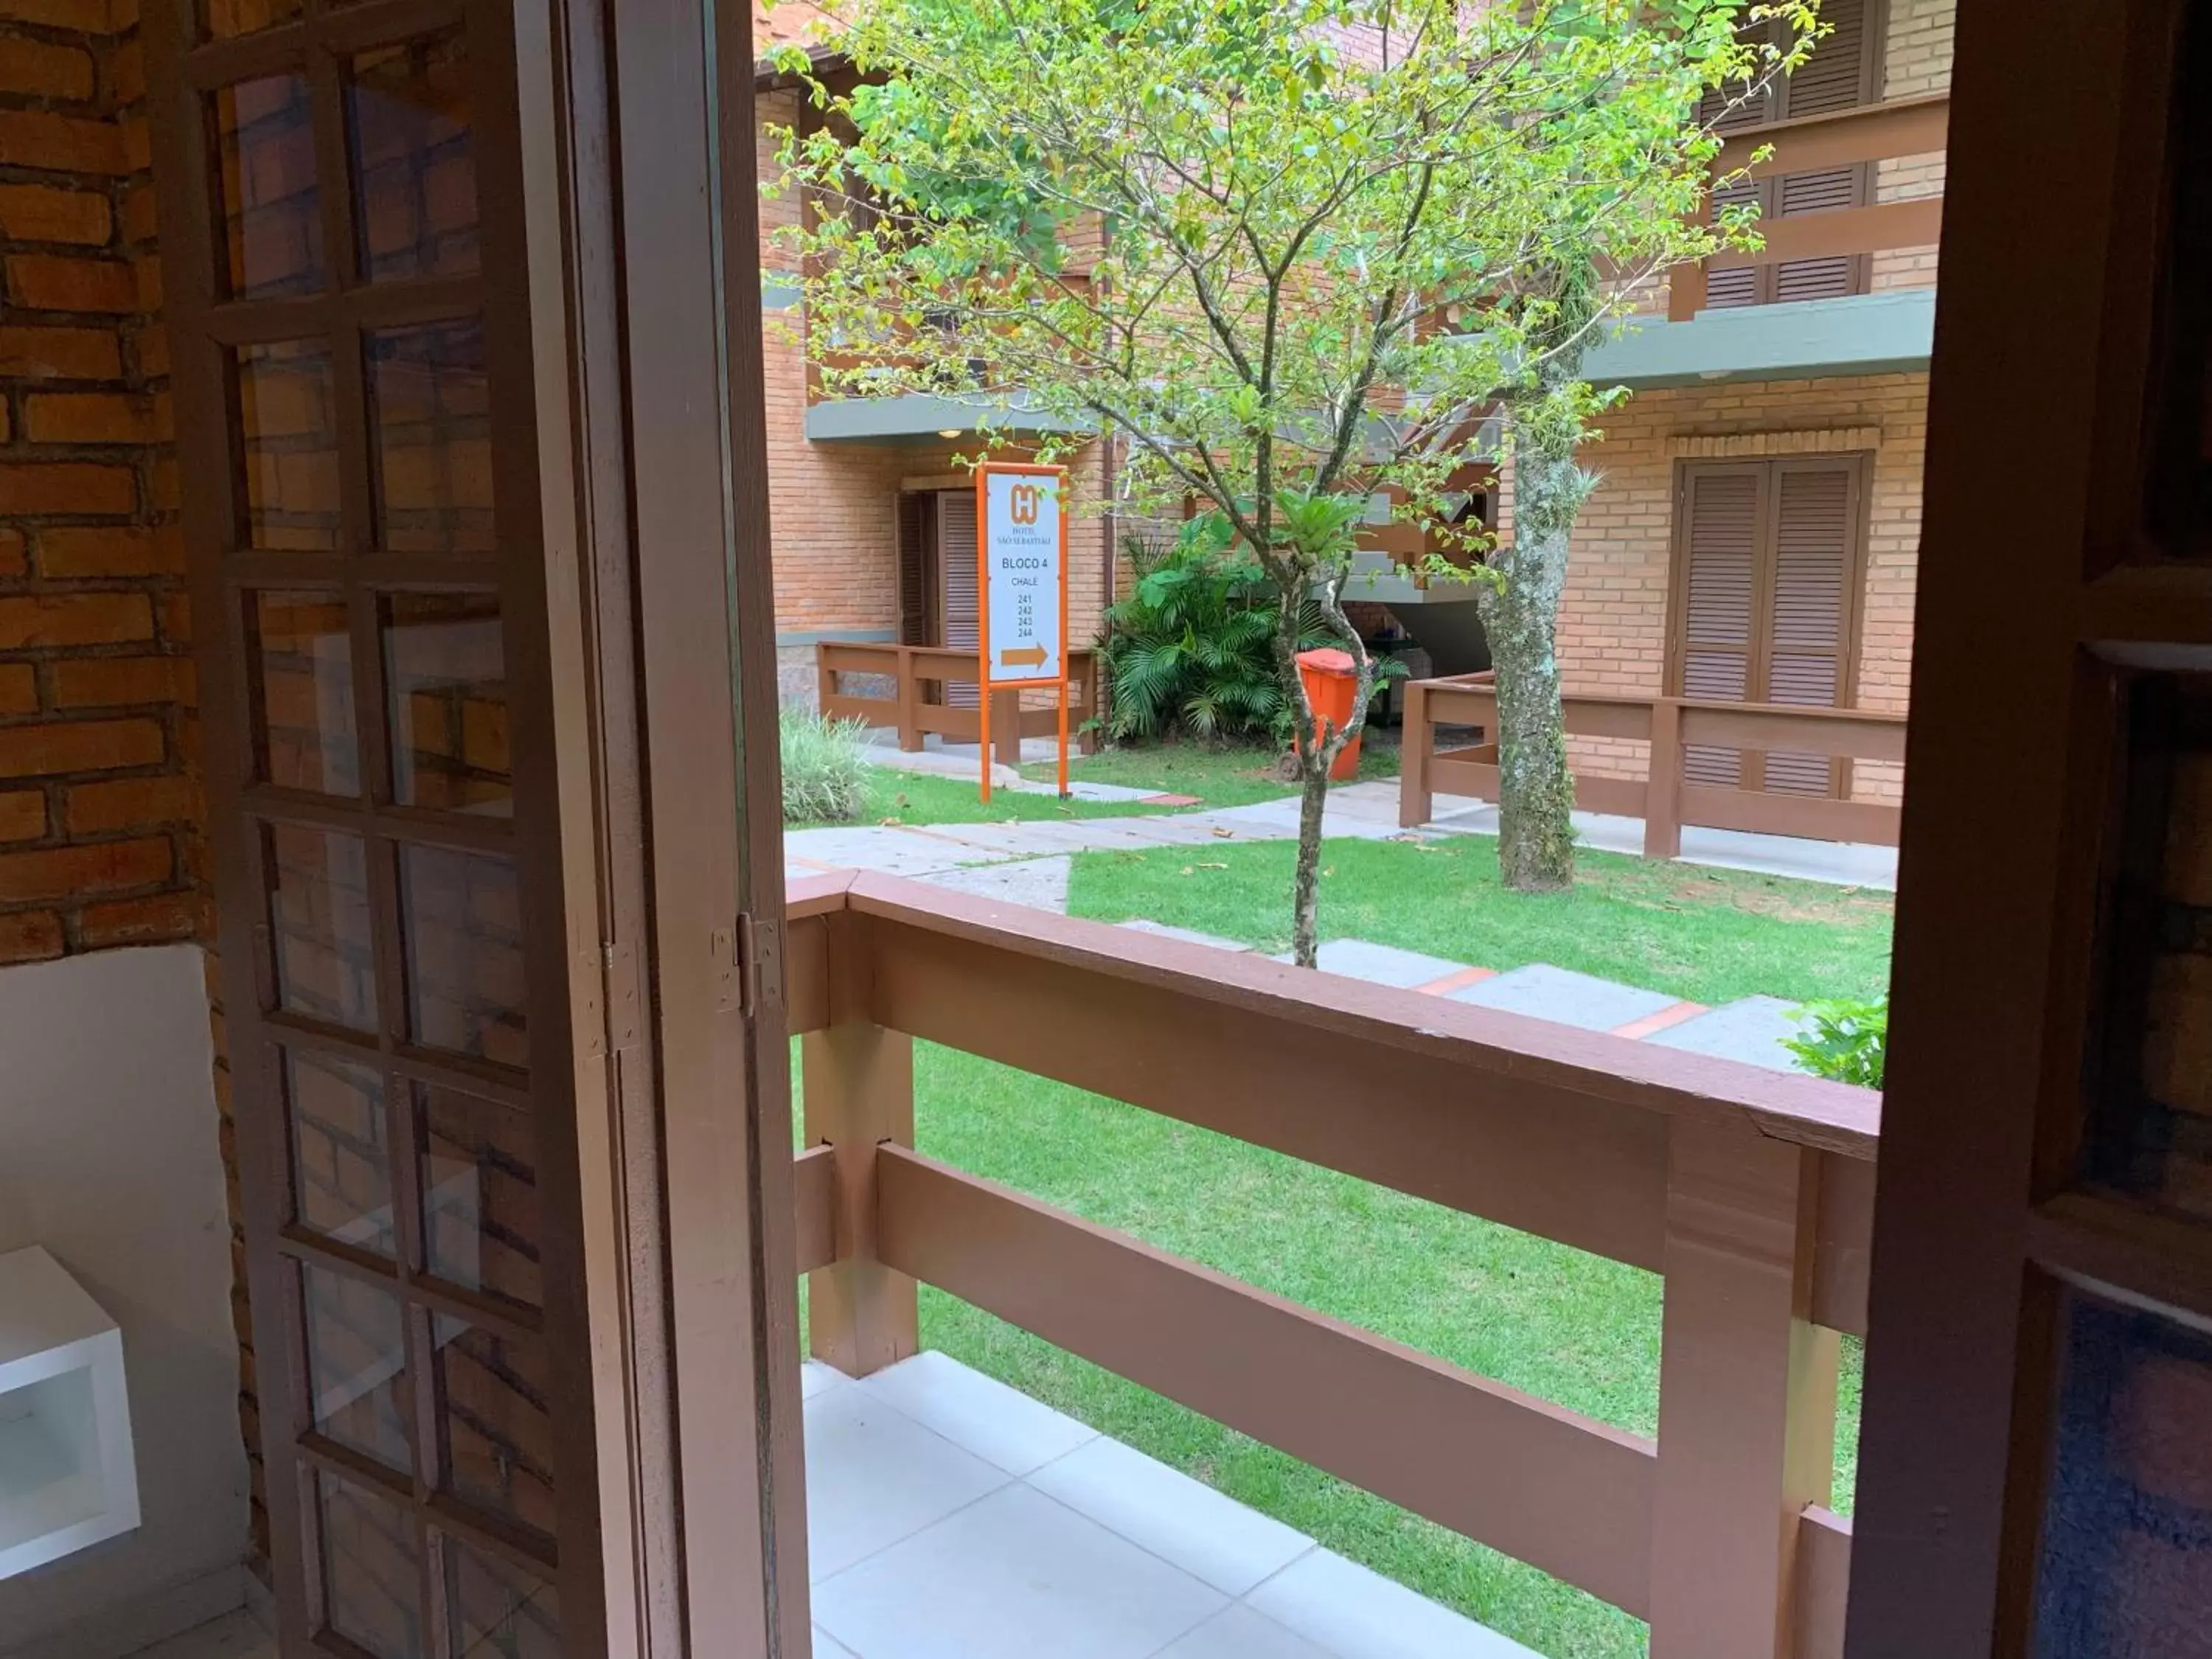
(1294, 254)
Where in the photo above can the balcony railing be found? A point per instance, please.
(1751, 1192)
(905, 689)
(1662, 798)
(1872, 132)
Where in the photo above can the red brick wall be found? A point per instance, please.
(97, 802)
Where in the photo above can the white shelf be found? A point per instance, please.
(68, 1477)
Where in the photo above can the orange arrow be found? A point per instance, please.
(1027, 656)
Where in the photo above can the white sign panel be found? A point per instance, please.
(1022, 574)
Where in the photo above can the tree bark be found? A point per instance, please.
(1535, 790)
(1520, 613)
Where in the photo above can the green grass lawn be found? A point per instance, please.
(1707, 935)
(1233, 775)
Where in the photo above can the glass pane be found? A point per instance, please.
(300, 669)
(462, 914)
(264, 151)
(446, 675)
(2127, 1524)
(222, 20)
(497, 1611)
(319, 918)
(341, 1155)
(414, 181)
(479, 1195)
(2151, 1134)
(495, 1433)
(431, 438)
(286, 446)
(357, 1365)
(372, 1571)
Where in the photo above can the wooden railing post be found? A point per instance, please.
(1662, 793)
(909, 701)
(858, 1087)
(1746, 1393)
(1006, 727)
(1417, 801)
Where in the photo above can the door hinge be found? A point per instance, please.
(619, 964)
(759, 958)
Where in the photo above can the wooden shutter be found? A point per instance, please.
(1807, 620)
(1724, 515)
(959, 619)
(1843, 73)
(1765, 604)
(1741, 285)
(917, 535)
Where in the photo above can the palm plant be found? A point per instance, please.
(1190, 652)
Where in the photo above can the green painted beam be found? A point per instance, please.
(918, 417)
(1863, 334)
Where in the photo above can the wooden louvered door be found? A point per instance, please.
(917, 544)
(960, 618)
(1767, 571)
(1843, 72)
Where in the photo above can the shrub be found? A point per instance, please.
(825, 778)
(1190, 652)
(1846, 1041)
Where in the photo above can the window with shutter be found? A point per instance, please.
(1843, 73)
(1767, 575)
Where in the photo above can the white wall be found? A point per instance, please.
(109, 1157)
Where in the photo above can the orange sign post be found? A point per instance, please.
(1021, 590)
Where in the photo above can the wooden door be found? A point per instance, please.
(1769, 561)
(2036, 1475)
(959, 612)
(496, 1048)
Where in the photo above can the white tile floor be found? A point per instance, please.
(951, 1517)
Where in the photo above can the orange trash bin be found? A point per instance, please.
(1332, 681)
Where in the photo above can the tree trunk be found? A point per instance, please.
(1536, 790)
(1305, 886)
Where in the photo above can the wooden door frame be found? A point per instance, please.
(638, 622)
(2025, 628)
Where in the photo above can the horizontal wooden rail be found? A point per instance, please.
(1558, 1491)
(918, 705)
(1751, 1191)
(1870, 132)
(1813, 144)
(1663, 798)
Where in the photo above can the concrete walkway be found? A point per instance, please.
(1750, 1029)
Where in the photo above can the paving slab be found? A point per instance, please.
(1041, 883)
(893, 851)
(1564, 997)
(1381, 964)
(1750, 1030)
(1187, 935)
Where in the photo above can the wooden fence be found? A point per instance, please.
(1870, 132)
(1663, 798)
(850, 680)
(1751, 1191)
